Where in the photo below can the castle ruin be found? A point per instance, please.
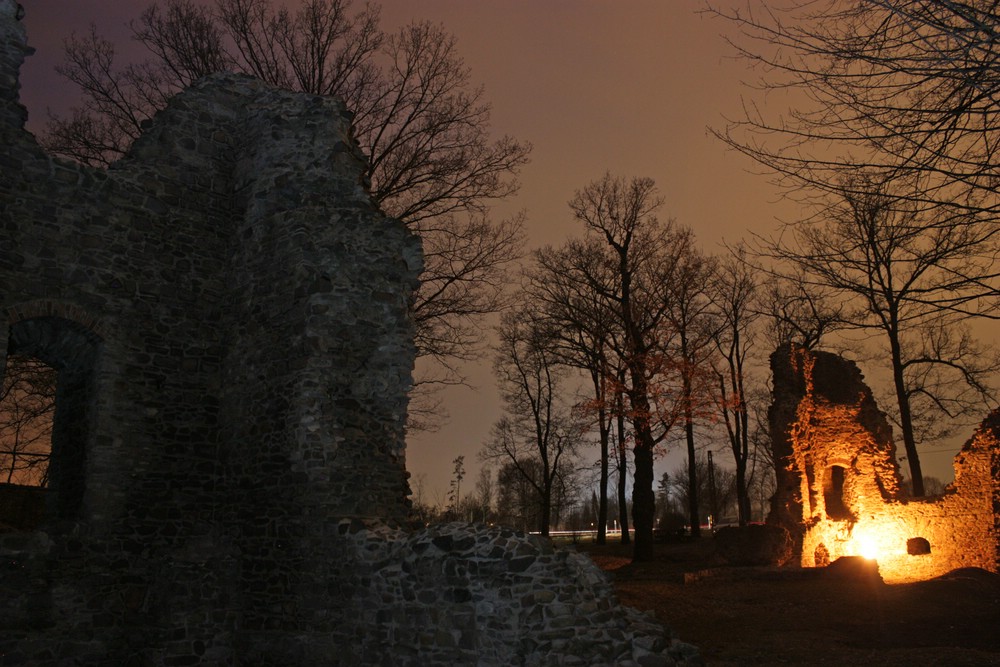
(838, 491)
(228, 314)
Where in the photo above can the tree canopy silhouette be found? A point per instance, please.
(422, 122)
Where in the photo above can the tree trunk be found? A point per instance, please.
(602, 499)
(643, 501)
(626, 536)
(622, 464)
(741, 453)
(605, 435)
(546, 513)
(693, 517)
(905, 418)
(742, 494)
(693, 514)
(643, 498)
(741, 439)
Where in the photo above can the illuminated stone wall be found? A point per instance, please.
(838, 485)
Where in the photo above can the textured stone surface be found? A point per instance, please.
(229, 316)
(468, 594)
(228, 313)
(838, 485)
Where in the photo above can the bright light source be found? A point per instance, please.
(866, 547)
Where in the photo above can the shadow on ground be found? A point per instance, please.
(841, 615)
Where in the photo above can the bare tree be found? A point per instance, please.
(797, 311)
(518, 504)
(692, 318)
(734, 294)
(539, 425)
(708, 479)
(485, 493)
(670, 515)
(641, 254)
(424, 509)
(892, 138)
(763, 468)
(27, 406)
(465, 277)
(916, 282)
(455, 487)
(905, 89)
(582, 331)
(423, 124)
(622, 439)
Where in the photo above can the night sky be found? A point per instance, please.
(628, 86)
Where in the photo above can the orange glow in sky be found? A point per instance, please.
(628, 87)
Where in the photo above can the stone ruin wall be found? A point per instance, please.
(229, 316)
(823, 418)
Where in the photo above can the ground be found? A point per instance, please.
(842, 615)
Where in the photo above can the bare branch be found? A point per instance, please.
(433, 161)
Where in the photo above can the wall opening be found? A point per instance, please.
(821, 556)
(27, 404)
(833, 494)
(56, 356)
(918, 546)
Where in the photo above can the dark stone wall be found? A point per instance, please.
(228, 312)
(789, 388)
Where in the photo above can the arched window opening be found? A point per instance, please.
(833, 494)
(52, 358)
(918, 546)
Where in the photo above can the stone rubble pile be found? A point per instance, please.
(461, 593)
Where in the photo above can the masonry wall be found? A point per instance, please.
(827, 426)
(228, 314)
